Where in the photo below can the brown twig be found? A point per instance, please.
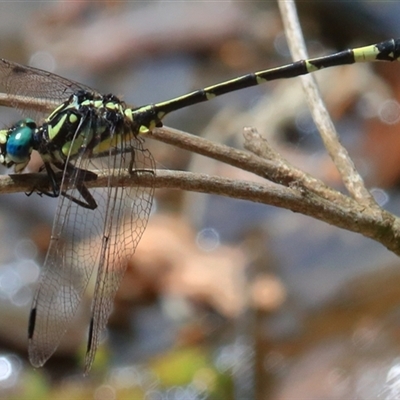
(347, 215)
(339, 155)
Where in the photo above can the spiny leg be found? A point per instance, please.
(80, 176)
(55, 181)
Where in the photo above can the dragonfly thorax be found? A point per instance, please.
(86, 124)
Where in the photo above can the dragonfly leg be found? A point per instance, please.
(131, 162)
(80, 177)
(89, 203)
(54, 183)
(135, 171)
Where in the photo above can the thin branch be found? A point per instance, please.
(35, 104)
(261, 164)
(259, 145)
(350, 216)
(350, 176)
(276, 171)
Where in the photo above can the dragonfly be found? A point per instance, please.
(88, 131)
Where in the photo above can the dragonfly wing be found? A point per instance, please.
(104, 237)
(43, 90)
(128, 210)
(67, 268)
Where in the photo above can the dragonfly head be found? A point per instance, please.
(16, 144)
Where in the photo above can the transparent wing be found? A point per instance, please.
(128, 211)
(63, 277)
(34, 91)
(97, 238)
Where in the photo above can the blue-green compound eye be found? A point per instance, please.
(19, 143)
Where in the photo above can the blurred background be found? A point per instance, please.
(224, 299)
